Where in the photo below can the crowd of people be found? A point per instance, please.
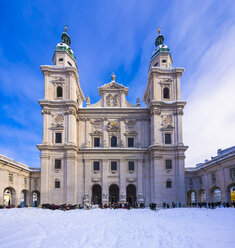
(127, 205)
(212, 204)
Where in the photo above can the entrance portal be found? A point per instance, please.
(113, 193)
(131, 194)
(36, 199)
(8, 196)
(96, 194)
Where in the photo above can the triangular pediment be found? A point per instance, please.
(113, 85)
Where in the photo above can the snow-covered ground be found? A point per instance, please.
(179, 228)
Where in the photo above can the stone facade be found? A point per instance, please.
(112, 150)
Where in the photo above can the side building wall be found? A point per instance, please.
(19, 181)
(212, 181)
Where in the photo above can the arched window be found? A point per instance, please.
(168, 183)
(166, 93)
(113, 141)
(59, 91)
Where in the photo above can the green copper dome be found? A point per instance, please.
(160, 47)
(65, 44)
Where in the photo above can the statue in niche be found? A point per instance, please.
(116, 100)
(122, 144)
(109, 100)
(88, 144)
(86, 197)
(105, 144)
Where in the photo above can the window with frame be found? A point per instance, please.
(96, 142)
(213, 177)
(168, 183)
(168, 164)
(166, 93)
(232, 172)
(130, 142)
(168, 138)
(113, 141)
(113, 165)
(57, 164)
(59, 91)
(131, 166)
(96, 165)
(190, 181)
(200, 180)
(10, 177)
(58, 137)
(57, 184)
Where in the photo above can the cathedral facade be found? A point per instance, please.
(112, 151)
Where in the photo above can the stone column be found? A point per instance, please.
(180, 186)
(45, 159)
(140, 196)
(105, 189)
(157, 180)
(80, 181)
(70, 189)
(87, 196)
(46, 116)
(71, 127)
(122, 181)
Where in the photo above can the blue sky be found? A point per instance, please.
(119, 36)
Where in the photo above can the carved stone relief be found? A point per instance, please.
(130, 133)
(58, 120)
(130, 123)
(113, 127)
(167, 120)
(113, 101)
(96, 124)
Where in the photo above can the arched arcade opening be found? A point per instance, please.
(9, 197)
(96, 194)
(191, 197)
(113, 193)
(131, 194)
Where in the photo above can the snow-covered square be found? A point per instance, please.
(171, 228)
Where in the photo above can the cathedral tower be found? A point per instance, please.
(63, 97)
(162, 96)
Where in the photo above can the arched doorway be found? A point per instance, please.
(113, 193)
(202, 195)
(231, 193)
(191, 196)
(9, 197)
(36, 198)
(131, 194)
(216, 194)
(24, 198)
(96, 194)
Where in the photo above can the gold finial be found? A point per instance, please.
(66, 28)
(159, 30)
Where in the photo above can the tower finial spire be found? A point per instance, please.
(66, 28)
(159, 30)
